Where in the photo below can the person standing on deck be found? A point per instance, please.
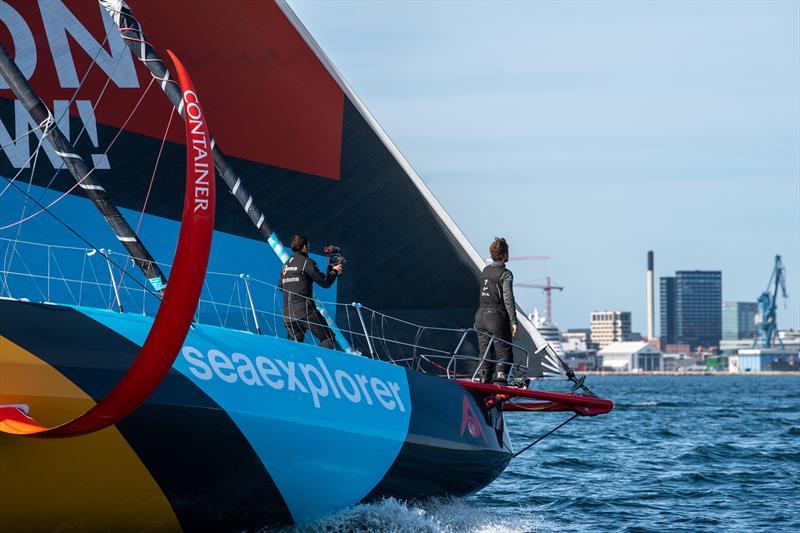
(300, 312)
(496, 316)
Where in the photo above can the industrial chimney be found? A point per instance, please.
(650, 298)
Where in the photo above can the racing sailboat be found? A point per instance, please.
(233, 426)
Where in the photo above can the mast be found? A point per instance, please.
(81, 171)
(134, 37)
(132, 34)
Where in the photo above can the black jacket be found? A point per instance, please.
(298, 276)
(497, 292)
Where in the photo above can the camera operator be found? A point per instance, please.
(299, 310)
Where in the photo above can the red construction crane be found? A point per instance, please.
(547, 288)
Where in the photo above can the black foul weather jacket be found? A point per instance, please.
(494, 318)
(298, 276)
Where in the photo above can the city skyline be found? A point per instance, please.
(593, 132)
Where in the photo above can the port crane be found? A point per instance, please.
(766, 320)
(548, 288)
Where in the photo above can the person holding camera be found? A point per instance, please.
(297, 280)
(496, 316)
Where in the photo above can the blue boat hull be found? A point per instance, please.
(246, 431)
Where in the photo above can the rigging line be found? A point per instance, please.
(150, 187)
(45, 123)
(14, 141)
(561, 425)
(74, 94)
(30, 275)
(75, 232)
(30, 184)
(78, 182)
(43, 245)
(83, 129)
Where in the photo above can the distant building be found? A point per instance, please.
(790, 339)
(667, 310)
(580, 335)
(691, 308)
(577, 353)
(730, 347)
(764, 360)
(610, 326)
(738, 320)
(631, 357)
(677, 348)
(681, 362)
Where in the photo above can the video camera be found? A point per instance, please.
(334, 254)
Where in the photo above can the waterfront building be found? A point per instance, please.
(580, 335)
(667, 310)
(738, 320)
(730, 347)
(608, 327)
(578, 354)
(691, 308)
(789, 341)
(632, 357)
(764, 360)
(717, 363)
(682, 362)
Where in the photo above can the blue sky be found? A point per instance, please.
(592, 132)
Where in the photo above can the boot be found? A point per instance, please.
(500, 378)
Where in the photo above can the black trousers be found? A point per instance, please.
(500, 356)
(297, 323)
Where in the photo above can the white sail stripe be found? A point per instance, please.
(180, 107)
(549, 367)
(68, 154)
(165, 80)
(236, 185)
(260, 221)
(213, 142)
(249, 203)
(126, 239)
(92, 187)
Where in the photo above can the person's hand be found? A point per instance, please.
(338, 268)
(514, 330)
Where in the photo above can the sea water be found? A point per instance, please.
(694, 453)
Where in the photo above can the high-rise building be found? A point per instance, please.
(691, 308)
(667, 310)
(738, 320)
(698, 298)
(610, 326)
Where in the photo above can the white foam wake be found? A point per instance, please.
(437, 516)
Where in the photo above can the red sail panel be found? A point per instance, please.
(249, 62)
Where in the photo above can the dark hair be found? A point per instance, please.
(298, 241)
(499, 249)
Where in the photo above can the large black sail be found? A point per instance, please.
(303, 144)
